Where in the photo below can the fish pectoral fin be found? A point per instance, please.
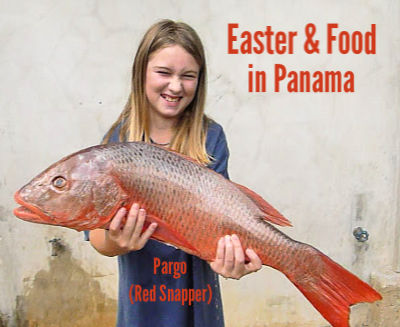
(271, 214)
(165, 234)
(108, 194)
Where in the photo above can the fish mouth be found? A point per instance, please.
(29, 212)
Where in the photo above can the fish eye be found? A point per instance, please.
(59, 182)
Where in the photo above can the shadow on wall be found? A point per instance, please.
(64, 296)
(67, 296)
(2, 321)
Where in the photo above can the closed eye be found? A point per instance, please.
(189, 76)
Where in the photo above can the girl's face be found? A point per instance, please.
(171, 81)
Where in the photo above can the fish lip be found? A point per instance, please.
(28, 212)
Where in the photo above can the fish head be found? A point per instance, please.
(78, 192)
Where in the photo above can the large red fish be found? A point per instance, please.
(193, 206)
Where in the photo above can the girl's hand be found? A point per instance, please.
(129, 237)
(230, 259)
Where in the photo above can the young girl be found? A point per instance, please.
(166, 107)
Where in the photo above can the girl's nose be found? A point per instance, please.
(175, 85)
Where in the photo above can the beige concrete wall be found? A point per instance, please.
(329, 162)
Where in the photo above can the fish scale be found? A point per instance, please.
(193, 206)
(193, 186)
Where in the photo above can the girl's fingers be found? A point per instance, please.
(255, 261)
(147, 234)
(229, 255)
(238, 252)
(218, 263)
(116, 221)
(130, 221)
(129, 237)
(139, 224)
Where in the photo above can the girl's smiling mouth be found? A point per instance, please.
(170, 98)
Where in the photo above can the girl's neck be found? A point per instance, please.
(161, 129)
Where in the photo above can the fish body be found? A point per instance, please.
(193, 206)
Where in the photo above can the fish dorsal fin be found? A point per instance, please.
(271, 214)
(165, 234)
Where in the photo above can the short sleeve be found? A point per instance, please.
(217, 148)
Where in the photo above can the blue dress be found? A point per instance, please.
(137, 268)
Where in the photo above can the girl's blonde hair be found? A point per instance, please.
(191, 129)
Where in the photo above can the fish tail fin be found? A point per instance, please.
(330, 288)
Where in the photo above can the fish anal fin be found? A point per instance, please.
(165, 234)
(271, 214)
